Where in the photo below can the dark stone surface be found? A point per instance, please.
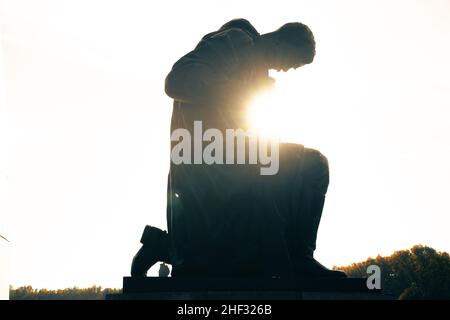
(155, 284)
(154, 288)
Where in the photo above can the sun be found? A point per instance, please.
(294, 111)
(262, 116)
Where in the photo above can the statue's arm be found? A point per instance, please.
(198, 84)
(200, 77)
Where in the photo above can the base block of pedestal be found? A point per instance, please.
(153, 288)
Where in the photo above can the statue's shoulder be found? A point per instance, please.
(234, 36)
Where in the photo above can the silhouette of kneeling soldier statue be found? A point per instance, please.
(229, 220)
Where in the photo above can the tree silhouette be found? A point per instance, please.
(92, 293)
(418, 273)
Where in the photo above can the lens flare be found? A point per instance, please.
(263, 118)
(296, 110)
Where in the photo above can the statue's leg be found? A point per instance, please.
(308, 203)
(310, 199)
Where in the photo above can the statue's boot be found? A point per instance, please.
(309, 267)
(306, 219)
(155, 248)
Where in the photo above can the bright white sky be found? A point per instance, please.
(85, 130)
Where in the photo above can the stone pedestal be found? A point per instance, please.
(153, 288)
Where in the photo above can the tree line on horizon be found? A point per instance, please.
(417, 273)
(75, 293)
